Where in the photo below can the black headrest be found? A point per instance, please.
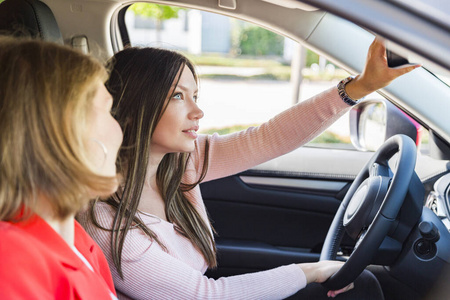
(29, 17)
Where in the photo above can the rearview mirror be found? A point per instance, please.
(372, 122)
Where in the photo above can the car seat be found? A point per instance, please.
(29, 18)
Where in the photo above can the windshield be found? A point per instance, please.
(445, 78)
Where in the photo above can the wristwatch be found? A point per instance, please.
(341, 90)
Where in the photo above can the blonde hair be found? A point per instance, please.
(46, 91)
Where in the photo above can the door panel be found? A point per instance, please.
(266, 217)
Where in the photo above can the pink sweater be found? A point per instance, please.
(152, 273)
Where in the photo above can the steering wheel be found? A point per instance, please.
(370, 207)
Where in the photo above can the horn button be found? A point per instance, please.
(365, 204)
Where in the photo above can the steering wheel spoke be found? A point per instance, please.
(377, 169)
(360, 238)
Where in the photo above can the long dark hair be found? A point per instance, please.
(140, 82)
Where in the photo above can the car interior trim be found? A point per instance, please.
(327, 186)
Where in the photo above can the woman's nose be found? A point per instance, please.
(196, 112)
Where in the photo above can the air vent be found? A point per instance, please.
(432, 202)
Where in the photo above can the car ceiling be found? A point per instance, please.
(346, 44)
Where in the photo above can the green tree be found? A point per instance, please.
(157, 12)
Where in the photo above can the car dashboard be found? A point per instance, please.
(438, 200)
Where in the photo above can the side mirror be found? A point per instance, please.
(372, 122)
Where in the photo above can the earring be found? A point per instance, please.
(105, 150)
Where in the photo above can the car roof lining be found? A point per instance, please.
(292, 4)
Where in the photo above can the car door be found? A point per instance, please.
(279, 212)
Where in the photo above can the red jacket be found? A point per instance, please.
(36, 263)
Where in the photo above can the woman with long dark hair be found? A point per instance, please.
(155, 230)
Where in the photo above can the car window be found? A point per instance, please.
(247, 73)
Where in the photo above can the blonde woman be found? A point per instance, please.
(58, 146)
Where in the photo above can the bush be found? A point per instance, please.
(329, 137)
(311, 58)
(258, 41)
